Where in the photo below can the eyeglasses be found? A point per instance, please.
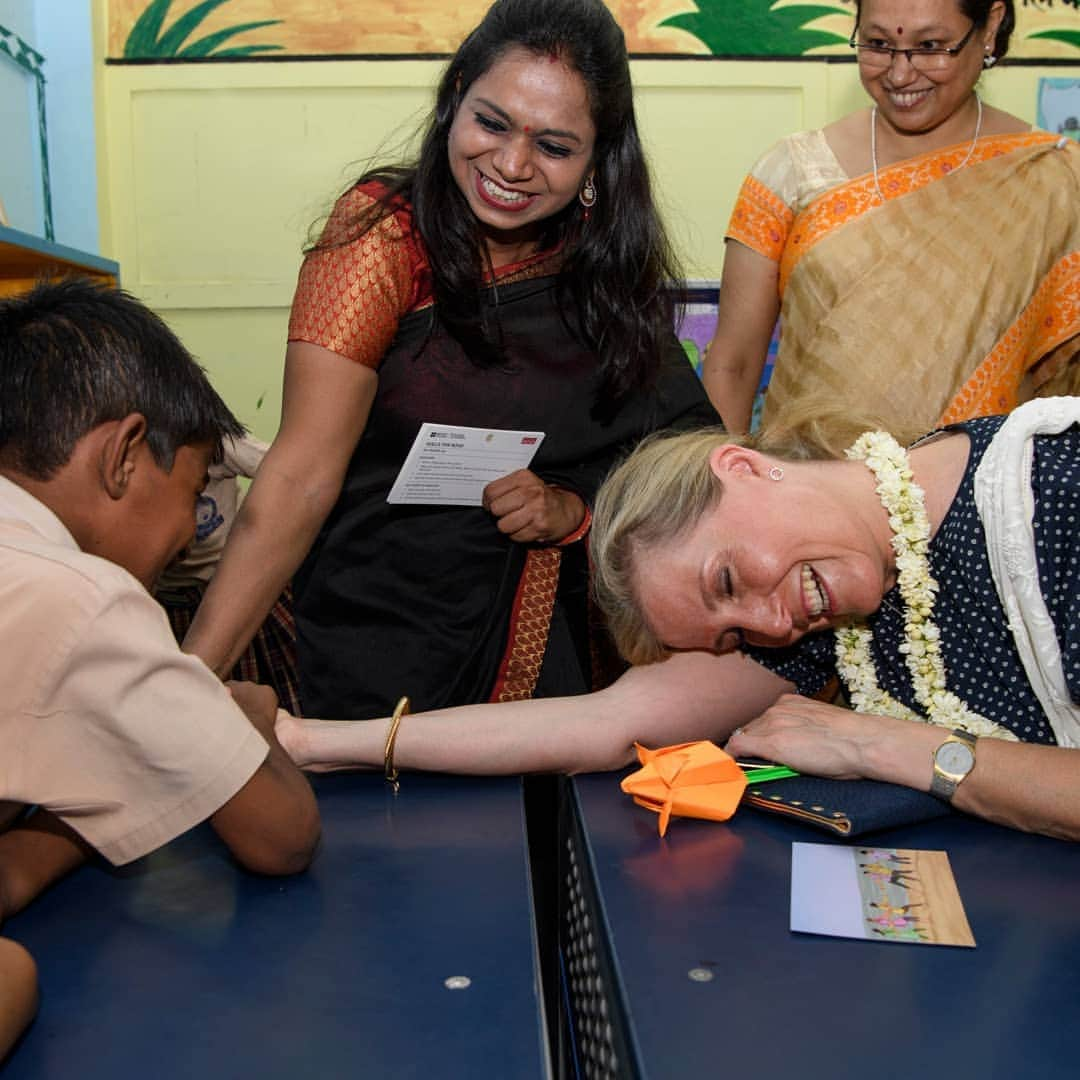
(873, 55)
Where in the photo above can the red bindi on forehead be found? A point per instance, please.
(528, 130)
(899, 31)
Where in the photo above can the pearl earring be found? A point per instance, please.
(776, 473)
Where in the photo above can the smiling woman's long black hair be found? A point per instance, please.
(618, 267)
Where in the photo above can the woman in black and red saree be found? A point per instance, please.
(516, 276)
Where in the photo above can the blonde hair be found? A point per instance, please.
(666, 485)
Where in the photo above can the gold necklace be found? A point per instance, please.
(873, 143)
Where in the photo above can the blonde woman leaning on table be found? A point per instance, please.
(923, 253)
(754, 574)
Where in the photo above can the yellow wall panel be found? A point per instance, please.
(244, 351)
(251, 166)
(703, 126)
(215, 182)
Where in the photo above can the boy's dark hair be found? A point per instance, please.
(75, 354)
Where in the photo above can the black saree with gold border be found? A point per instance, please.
(433, 601)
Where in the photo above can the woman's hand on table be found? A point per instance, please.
(529, 511)
(830, 741)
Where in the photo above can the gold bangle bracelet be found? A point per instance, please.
(389, 769)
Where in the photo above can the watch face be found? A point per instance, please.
(955, 758)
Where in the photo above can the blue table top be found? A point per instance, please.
(183, 966)
(716, 897)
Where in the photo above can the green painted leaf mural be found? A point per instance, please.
(757, 27)
(149, 39)
(1070, 37)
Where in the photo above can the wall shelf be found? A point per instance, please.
(26, 259)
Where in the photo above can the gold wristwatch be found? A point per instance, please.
(953, 760)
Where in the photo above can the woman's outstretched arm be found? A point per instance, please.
(326, 403)
(691, 695)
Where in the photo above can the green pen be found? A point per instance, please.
(765, 771)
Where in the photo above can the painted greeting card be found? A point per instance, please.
(877, 894)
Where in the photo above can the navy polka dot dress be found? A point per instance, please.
(981, 662)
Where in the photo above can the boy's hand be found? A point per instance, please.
(271, 825)
(33, 855)
(260, 705)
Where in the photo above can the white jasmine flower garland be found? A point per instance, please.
(905, 504)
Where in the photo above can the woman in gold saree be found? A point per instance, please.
(923, 253)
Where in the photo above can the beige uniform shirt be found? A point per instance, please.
(103, 720)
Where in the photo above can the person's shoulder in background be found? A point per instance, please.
(215, 513)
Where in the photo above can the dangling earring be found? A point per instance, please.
(989, 60)
(587, 197)
(776, 473)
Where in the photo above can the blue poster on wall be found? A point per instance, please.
(695, 325)
(1059, 106)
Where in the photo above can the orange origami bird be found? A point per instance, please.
(694, 779)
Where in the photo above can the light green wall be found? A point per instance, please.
(211, 175)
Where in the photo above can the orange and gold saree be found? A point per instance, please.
(957, 296)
